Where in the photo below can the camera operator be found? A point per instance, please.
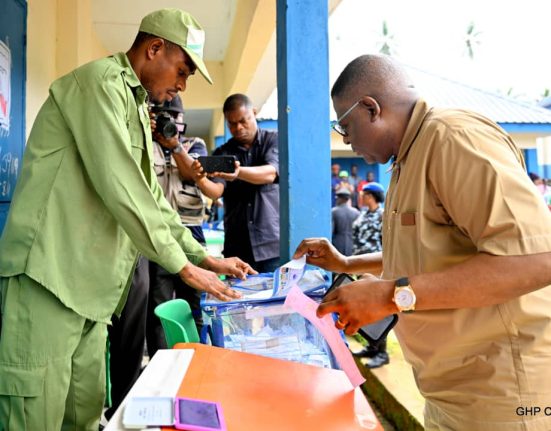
(251, 193)
(173, 155)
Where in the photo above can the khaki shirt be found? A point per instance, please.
(185, 197)
(87, 200)
(459, 188)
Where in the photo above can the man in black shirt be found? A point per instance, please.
(251, 193)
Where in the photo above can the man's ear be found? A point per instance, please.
(372, 106)
(154, 47)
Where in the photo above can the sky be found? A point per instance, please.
(513, 56)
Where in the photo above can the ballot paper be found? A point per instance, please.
(268, 287)
(307, 307)
(287, 276)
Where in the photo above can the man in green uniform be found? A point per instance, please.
(87, 202)
(466, 254)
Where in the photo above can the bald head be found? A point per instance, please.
(378, 76)
(374, 99)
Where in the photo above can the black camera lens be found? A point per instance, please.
(166, 125)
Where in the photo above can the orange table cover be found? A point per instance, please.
(264, 394)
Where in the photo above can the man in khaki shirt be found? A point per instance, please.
(466, 254)
(86, 203)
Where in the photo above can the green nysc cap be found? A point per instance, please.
(181, 28)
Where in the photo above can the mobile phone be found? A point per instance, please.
(198, 415)
(212, 164)
(374, 332)
(377, 331)
(339, 280)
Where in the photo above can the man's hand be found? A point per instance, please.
(168, 143)
(228, 176)
(206, 281)
(198, 171)
(232, 266)
(358, 303)
(320, 252)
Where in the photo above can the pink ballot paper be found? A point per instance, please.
(305, 306)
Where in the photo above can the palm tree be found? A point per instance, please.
(386, 42)
(472, 38)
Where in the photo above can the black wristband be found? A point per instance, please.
(404, 281)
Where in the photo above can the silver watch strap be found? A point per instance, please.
(178, 148)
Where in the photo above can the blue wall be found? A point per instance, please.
(13, 33)
(531, 158)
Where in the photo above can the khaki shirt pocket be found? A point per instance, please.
(401, 244)
(159, 168)
(190, 203)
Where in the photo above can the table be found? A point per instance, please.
(261, 393)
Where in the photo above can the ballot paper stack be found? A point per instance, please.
(260, 323)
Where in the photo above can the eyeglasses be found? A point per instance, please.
(337, 124)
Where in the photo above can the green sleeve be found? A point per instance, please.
(95, 107)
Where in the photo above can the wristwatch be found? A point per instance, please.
(404, 296)
(177, 149)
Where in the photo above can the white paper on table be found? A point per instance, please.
(162, 377)
(164, 373)
(307, 307)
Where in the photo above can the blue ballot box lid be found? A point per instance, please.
(259, 288)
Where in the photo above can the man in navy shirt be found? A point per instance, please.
(251, 193)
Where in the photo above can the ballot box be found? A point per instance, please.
(260, 323)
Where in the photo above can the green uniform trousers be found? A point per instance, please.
(52, 362)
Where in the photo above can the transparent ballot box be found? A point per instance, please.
(260, 323)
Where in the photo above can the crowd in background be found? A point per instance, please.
(357, 220)
(351, 181)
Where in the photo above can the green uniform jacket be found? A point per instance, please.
(87, 200)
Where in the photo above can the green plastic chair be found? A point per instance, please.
(177, 321)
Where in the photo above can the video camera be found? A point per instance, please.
(165, 115)
(166, 124)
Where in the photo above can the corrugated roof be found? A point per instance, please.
(443, 92)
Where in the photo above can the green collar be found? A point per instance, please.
(130, 76)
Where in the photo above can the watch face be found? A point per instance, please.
(404, 298)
